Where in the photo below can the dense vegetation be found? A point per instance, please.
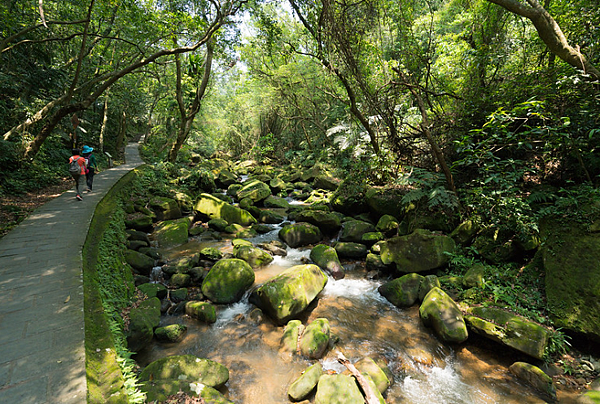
(475, 107)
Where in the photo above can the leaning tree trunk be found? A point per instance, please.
(104, 123)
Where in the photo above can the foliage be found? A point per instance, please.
(428, 189)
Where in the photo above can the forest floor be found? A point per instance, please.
(15, 208)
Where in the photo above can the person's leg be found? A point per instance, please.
(89, 177)
(77, 177)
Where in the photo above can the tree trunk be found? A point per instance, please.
(104, 122)
(122, 131)
(550, 32)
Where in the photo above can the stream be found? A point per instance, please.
(423, 369)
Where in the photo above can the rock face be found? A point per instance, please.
(420, 251)
(289, 294)
(213, 207)
(509, 329)
(315, 339)
(142, 321)
(403, 291)
(255, 190)
(338, 389)
(441, 313)
(227, 281)
(326, 258)
(572, 262)
(300, 234)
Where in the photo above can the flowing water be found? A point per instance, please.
(423, 369)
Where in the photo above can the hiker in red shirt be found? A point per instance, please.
(77, 170)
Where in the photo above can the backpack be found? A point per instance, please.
(74, 167)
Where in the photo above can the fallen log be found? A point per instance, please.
(362, 381)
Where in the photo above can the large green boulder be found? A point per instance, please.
(403, 291)
(254, 256)
(287, 295)
(141, 263)
(213, 207)
(385, 201)
(276, 202)
(571, 255)
(388, 225)
(338, 389)
(346, 249)
(291, 335)
(327, 222)
(353, 230)
(509, 329)
(536, 378)
(315, 339)
(172, 232)
(419, 251)
(227, 281)
(187, 367)
(367, 366)
(202, 311)
(157, 391)
(225, 179)
(142, 321)
(165, 208)
(327, 259)
(441, 313)
(140, 222)
(427, 283)
(255, 190)
(305, 384)
(300, 234)
(170, 333)
(269, 217)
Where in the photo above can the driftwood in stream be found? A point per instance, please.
(364, 384)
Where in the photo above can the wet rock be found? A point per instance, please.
(289, 294)
(441, 313)
(371, 238)
(276, 202)
(353, 230)
(178, 295)
(327, 222)
(270, 217)
(509, 329)
(305, 384)
(300, 234)
(165, 208)
(255, 190)
(315, 339)
(142, 321)
(252, 255)
(327, 259)
(388, 225)
(374, 263)
(213, 207)
(420, 251)
(202, 311)
(367, 366)
(275, 247)
(151, 252)
(172, 232)
(351, 250)
(190, 368)
(157, 391)
(180, 280)
(338, 389)
(227, 281)
(170, 333)
(403, 291)
(427, 283)
(291, 335)
(218, 224)
(535, 377)
(140, 263)
(211, 254)
(153, 290)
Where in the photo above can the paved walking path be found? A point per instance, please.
(42, 357)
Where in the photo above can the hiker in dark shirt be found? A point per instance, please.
(77, 170)
(92, 167)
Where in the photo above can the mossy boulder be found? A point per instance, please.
(137, 235)
(287, 295)
(373, 262)
(315, 339)
(535, 377)
(441, 313)
(353, 230)
(180, 280)
(338, 389)
(227, 281)
(140, 263)
(202, 311)
(172, 232)
(509, 329)
(211, 254)
(403, 291)
(327, 182)
(419, 251)
(349, 200)
(465, 232)
(571, 256)
(218, 224)
(276, 202)
(165, 208)
(388, 225)
(142, 321)
(327, 222)
(213, 207)
(291, 335)
(254, 256)
(270, 217)
(327, 259)
(367, 366)
(427, 283)
(225, 179)
(140, 222)
(255, 190)
(385, 201)
(371, 238)
(300, 234)
(190, 368)
(153, 290)
(351, 250)
(277, 185)
(170, 333)
(474, 277)
(305, 384)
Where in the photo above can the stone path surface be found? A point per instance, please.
(42, 357)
